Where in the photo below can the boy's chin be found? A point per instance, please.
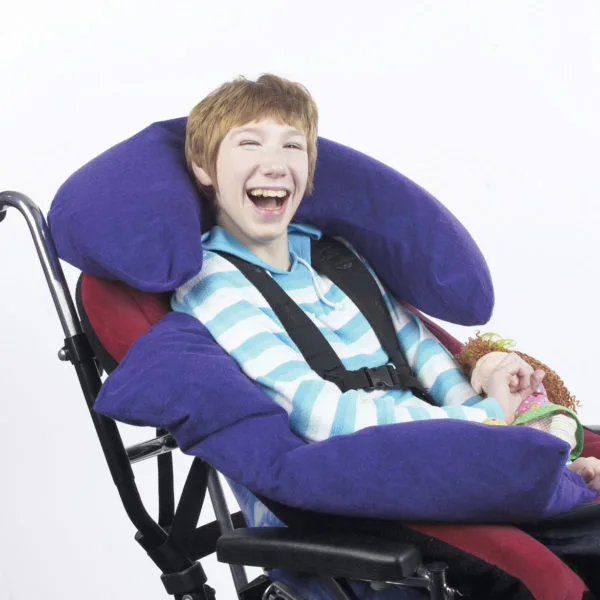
(269, 235)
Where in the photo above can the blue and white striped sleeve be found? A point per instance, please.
(237, 317)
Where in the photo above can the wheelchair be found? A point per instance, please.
(337, 555)
(173, 541)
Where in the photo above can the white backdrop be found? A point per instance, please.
(492, 107)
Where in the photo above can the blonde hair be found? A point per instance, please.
(239, 102)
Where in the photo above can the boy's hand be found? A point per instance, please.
(511, 382)
(589, 469)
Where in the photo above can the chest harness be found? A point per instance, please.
(337, 262)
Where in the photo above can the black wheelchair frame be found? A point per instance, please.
(174, 542)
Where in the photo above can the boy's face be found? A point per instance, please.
(262, 169)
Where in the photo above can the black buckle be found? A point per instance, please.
(380, 378)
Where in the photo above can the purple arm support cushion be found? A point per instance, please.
(472, 473)
(133, 214)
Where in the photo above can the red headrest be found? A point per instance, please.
(117, 314)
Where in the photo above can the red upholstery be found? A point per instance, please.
(120, 314)
(591, 444)
(451, 343)
(516, 553)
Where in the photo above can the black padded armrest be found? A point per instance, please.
(335, 554)
(593, 428)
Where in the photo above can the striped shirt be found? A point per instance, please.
(241, 321)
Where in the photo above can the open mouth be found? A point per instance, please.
(268, 199)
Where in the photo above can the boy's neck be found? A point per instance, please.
(276, 253)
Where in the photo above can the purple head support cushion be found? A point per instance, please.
(134, 214)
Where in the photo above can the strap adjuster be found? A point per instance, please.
(380, 378)
(188, 580)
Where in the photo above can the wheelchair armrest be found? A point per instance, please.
(593, 428)
(334, 554)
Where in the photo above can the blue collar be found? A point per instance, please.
(299, 237)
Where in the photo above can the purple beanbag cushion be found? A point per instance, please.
(134, 214)
(436, 470)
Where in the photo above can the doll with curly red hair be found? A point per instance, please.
(551, 408)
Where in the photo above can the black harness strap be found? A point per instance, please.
(337, 262)
(334, 260)
(310, 341)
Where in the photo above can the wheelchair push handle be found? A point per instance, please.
(48, 257)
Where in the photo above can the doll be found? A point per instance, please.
(551, 408)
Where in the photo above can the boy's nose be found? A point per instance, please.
(272, 168)
(272, 162)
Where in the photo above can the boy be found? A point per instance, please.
(252, 148)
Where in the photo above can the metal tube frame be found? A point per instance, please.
(48, 258)
(150, 535)
(87, 371)
(119, 459)
(217, 497)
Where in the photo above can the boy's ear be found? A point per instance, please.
(201, 175)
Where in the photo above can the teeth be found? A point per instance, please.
(268, 193)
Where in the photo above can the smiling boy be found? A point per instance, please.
(261, 175)
(252, 146)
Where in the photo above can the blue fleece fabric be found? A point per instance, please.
(133, 214)
(176, 377)
(138, 195)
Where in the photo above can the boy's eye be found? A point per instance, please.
(249, 143)
(294, 146)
